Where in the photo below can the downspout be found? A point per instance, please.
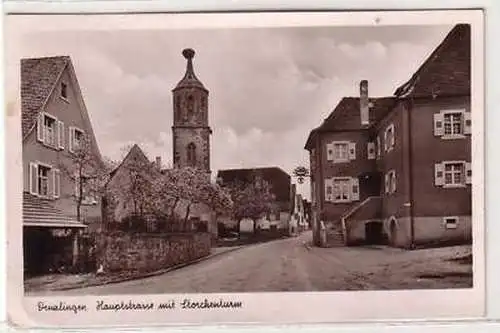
(319, 189)
(411, 176)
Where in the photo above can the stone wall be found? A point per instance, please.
(150, 252)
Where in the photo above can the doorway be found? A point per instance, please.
(374, 233)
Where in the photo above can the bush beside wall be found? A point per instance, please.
(119, 252)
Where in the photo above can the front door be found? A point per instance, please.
(374, 234)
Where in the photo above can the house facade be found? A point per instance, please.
(280, 184)
(397, 169)
(55, 123)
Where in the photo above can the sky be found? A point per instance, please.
(269, 87)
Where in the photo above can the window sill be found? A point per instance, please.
(340, 161)
(453, 136)
(53, 147)
(454, 186)
(341, 201)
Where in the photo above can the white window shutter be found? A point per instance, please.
(386, 183)
(393, 137)
(352, 150)
(60, 134)
(354, 189)
(56, 178)
(439, 174)
(33, 178)
(71, 138)
(39, 127)
(371, 150)
(438, 124)
(379, 148)
(393, 182)
(468, 173)
(329, 151)
(467, 123)
(328, 196)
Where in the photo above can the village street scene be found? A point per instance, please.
(291, 159)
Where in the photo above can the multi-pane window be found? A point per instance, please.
(454, 174)
(341, 151)
(389, 138)
(453, 123)
(78, 139)
(43, 180)
(49, 130)
(390, 182)
(341, 189)
(191, 155)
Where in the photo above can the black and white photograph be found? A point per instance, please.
(274, 159)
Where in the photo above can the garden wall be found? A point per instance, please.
(119, 251)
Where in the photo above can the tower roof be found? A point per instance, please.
(189, 80)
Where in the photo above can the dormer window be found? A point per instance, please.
(64, 90)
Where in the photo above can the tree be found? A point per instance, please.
(301, 172)
(88, 172)
(251, 200)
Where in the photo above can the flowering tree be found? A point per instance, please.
(250, 200)
(87, 171)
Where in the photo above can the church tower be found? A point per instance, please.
(190, 132)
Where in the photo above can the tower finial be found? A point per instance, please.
(188, 53)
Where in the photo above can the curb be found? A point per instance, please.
(146, 275)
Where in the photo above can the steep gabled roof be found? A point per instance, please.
(279, 180)
(38, 79)
(134, 153)
(447, 70)
(346, 116)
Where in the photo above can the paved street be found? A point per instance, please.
(289, 265)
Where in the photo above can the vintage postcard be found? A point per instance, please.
(268, 168)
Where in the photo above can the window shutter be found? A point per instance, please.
(386, 146)
(71, 138)
(352, 150)
(467, 123)
(393, 190)
(438, 124)
(60, 134)
(329, 151)
(56, 177)
(327, 184)
(468, 173)
(386, 183)
(438, 174)
(354, 189)
(33, 178)
(379, 148)
(393, 137)
(39, 127)
(371, 150)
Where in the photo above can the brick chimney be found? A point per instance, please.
(364, 104)
(158, 162)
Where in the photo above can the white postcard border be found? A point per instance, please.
(265, 308)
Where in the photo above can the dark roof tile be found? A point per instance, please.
(38, 77)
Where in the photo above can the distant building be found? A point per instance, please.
(54, 123)
(298, 222)
(397, 169)
(280, 183)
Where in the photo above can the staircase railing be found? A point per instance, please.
(353, 210)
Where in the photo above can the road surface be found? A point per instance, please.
(290, 265)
